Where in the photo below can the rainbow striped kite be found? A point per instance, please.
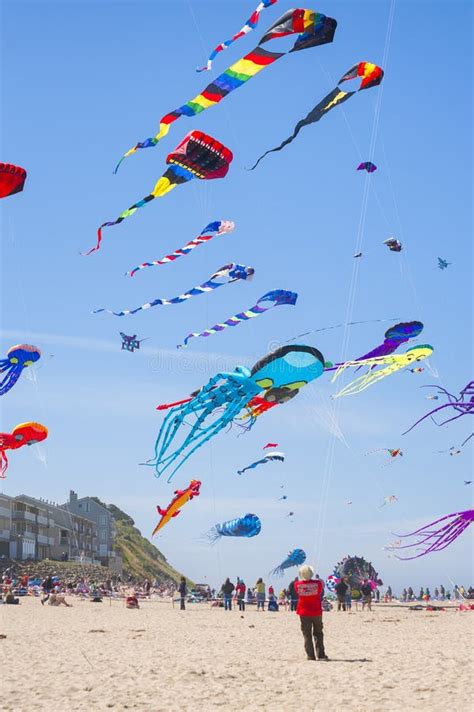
(312, 28)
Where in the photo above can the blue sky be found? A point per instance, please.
(81, 83)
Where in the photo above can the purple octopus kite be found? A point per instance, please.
(437, 539)
(463, 404)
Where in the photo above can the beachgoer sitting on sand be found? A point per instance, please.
(131, 601)
(10, 598)
(56, 599)
(310, 591)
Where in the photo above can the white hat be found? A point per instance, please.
(306, 572)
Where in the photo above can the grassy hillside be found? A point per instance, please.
(140, 557)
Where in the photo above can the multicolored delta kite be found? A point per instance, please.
(371, 76)
(12, 179)
(18, 358)
(228, 274)
(247, 526)
(278, 376)
(22, 434)
(431, 537)
(313, 29)
(250, 25)
(218, 227)
(367, 166)
(197, 156)
(174, 507)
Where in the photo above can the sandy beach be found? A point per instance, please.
(103, 656)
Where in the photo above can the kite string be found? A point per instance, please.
(330, 451)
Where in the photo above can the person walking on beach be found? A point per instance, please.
(341, 590)
(442, 592)
(309, 591)
(183, 589)
(292, 595)
(48, 586)
(366, 590)
(227, 589)
(260, 591)
(240, 592)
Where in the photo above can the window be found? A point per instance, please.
(103, 520)
(103, 534)
(88, 507)
(103, 550)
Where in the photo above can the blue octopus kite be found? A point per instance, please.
(276, 377)
(294, 558)
(18, 358)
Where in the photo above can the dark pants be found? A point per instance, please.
(341, 602)
(293, 604)
(241, 603)
(312, 626)
(227, 602)
(182, 607)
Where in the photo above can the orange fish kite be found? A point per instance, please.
(174, 507)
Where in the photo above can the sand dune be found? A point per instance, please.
(103, 656)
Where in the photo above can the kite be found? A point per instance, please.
(432, 397)
(12, 179)
(270, 445)
(393, 244)
(271, 457)
(197, 156)
(297, 557)
(433, 538)
(442, 264)
(468, 482)
(371, 76)
(467, 439)
(367, 166)
(284, 497)
(275, 298)
(247, 526)
(130, 343)
(174, 507)
(313, 29)
(391, 364)
(395, 337)
(221, 400)
(218, 227)
(356, 570)
(18, 358)
(250, 25)
(393, 453)
(290, 514)
(225, 275)
(391, 499)
(462, 404)
(331, 582)
(23, 434)
(357, 254)
(418, 369)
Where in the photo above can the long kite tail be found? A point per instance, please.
(218, 227)
(163, 186)
(274, 298)
(250, 25)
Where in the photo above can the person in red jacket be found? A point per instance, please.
(309, 609)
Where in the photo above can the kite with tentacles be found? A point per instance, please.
(395, 337)
(387, 366)
(371, 76)
(174, 507)
(228, 274)
(197, 156)
(312, 29)
(218, 227)
(247, 526)
(462, 404)
(22, 434)
(18, 358)
(269, 457)
(275, 298)
(431, 538)
(250, 25)
(297, 557)
(225, 396)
